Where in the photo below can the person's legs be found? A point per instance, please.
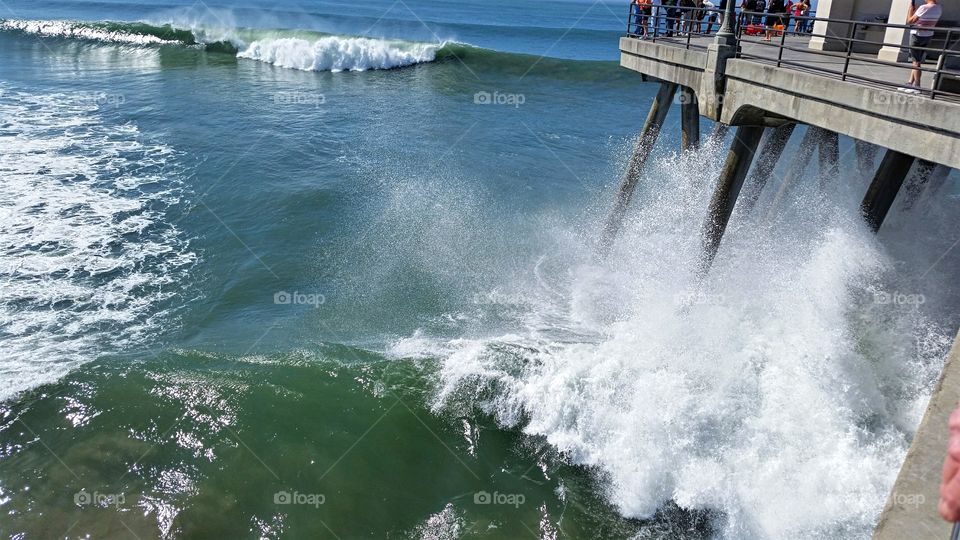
(918, 54)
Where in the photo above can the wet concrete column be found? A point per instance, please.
(885, 186)
(689, 120)
(829, 152)
(801, 160)
(725, 195)
(866, 157)
(774, 143)
(648, 137)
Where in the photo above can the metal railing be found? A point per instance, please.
(854, 58)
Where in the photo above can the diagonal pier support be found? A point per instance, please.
(886, 184)
(648, 138)
(917, 183)
(773, 146)
(801, 160)
(728, 188)
(829, 153)
(689, 120)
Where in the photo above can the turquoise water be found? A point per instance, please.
(256, 284)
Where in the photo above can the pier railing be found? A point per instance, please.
(853, 56)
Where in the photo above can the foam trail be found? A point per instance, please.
(334, 53)
(782, 397)
(86, 257)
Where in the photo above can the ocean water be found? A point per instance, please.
(326, 270)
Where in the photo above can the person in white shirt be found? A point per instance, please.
(924, 19)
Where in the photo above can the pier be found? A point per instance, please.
(844, 73)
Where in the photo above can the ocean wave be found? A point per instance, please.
(311, 50)
(133, 33)
(334, 53)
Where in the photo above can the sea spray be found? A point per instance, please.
(756, 394)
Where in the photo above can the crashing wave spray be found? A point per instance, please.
(782, 396)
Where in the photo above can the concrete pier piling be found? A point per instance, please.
(886, 184)
(916, 183)
(734, 172)
(775, 141)
(829, 154)
(689, 120)
(866, 157)
(648, 138)
(801, 160)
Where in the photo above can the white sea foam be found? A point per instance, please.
(86, 256)
(777, 393)
(334, 53)
(70, 29)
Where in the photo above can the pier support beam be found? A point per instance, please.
(829, 153)
(801, 160)
(689, 120)
(866, 157)
(917, 182)
(937, 180)
(719, 133)
(648, 137)
(728, 188)
(774, 144)
(883, 190)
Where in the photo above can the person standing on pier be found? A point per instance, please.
(711, 16)
(775, 18)
(641, 10)
(924, 19)
(800, 9)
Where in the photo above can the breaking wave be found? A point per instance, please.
(779, 395)
(310, 50)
